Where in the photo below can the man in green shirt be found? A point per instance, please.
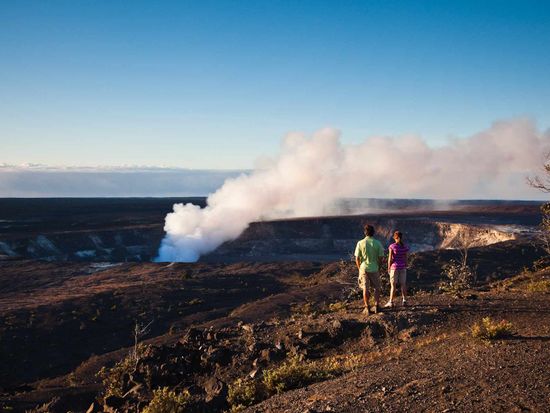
(369, 254)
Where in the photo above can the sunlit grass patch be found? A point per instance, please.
(167, 401)
(337, 307)
(295, 373)
(539, 286)
(291, 374)
(488, 329)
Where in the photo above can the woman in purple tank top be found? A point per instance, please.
(397, 267)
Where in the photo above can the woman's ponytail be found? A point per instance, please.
(400, 235)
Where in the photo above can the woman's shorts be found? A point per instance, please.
(400, 275)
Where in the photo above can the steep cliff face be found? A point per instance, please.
(318, 239)
(135, 244)
(461, 235)
(326, 239)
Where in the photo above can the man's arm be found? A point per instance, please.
(358, 256)
(380, 255)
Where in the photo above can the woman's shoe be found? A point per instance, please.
(389, 304)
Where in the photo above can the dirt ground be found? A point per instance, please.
(446, 369)
(232, 321)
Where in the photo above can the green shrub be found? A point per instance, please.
(337, 306)
(303, 309)
(539, 286)
(294, 373)
(167, 401)
(113, 378)
(458, 277)
(244, 393)
(488, 329)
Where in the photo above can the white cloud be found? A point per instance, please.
(53, 181)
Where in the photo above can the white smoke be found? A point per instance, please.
(311, 173)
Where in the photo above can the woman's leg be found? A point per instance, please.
(393, 285)
(403, 282)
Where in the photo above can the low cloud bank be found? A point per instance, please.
(48, 181)
(311, 173)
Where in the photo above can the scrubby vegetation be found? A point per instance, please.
(295, 373)
(337, 307)
(458, 277)
(306, 308)
(539, 286)
(113, 378)
(167, 401)
(244, 393)
(292, 374)
(488, 329)
(543, 184)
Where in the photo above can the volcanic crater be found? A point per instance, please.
(77, 279)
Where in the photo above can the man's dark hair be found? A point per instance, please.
(369, 230)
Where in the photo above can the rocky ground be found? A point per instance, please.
(271, 337)
(443, 368)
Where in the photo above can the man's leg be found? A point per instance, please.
(374, 278)
(377, 299)
(364, 277)
(366, 298)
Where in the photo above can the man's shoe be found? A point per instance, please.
(404, 302)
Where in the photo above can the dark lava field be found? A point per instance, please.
(269, 322)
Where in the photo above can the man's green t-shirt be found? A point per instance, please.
(369, 250)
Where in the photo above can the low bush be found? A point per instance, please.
(167, 401)
(113, 378)
(458, 277)
(337, 306)
(488, 329)
(303, 309)
(539, 286)
(244, 393)
(294, 373)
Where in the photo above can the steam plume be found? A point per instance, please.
(311, 173)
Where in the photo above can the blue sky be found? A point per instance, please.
(215, 84)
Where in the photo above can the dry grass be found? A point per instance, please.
(167, 401)
(538, 282)
(539, 286)
(294, 373)
(337, 307)
(488, 329)
(113, 378)
(307, 308)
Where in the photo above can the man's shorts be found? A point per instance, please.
(368, 279)
(400, 275)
